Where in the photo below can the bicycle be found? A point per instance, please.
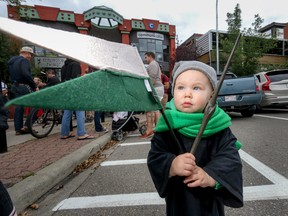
(41, 122)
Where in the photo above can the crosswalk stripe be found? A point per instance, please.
(117, 200)
(124, 162)
(278, 190)
(135, 143)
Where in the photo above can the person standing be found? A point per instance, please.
(166, 84)
(71, 70)
(3, 122)
(97, 123)
(96, 115)
(154, 73)
(22, 84)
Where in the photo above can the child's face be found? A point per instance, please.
(192, 91)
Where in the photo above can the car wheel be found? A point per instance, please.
(247, 113)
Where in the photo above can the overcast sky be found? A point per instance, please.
(189, 17)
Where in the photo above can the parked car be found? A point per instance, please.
(274, 87)
(239, 94)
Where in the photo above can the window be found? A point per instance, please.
(159, 57)
(276, 76)
(152, 45)
(142, 45)
(159, 47)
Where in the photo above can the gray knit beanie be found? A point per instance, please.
(182, 66)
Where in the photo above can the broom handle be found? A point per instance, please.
(211, 106)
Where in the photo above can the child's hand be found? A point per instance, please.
(183, 165)
(199, 178)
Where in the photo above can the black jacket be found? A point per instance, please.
(217, 155)
(70, 70)
(52, 81)
(20, 71)
(3, 114)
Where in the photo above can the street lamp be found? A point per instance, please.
(217, 40)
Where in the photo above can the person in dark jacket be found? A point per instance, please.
(71, 70)
(200, 183)
(3, 125)
(52, 79)
(22, 84)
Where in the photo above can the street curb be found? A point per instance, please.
(32, 188)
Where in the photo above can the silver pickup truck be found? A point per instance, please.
(239, 94)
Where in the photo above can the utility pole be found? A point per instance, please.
(217, 40)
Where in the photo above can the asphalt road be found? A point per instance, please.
(121, 185)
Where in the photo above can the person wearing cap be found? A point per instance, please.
(200, 183)
(22, 84)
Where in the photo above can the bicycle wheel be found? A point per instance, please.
(41, 122)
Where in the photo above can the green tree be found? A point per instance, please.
(186, 53)
(226, 43)
(250, 49)
(9, 46)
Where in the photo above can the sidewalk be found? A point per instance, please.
(31, 167)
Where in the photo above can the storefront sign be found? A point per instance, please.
(150, 35)
(46, 62)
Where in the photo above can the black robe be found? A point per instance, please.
(217, 155)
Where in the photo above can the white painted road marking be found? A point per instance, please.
(134, 135)
(135, 143)
(266, 171)
(110, 201)
(272, 117)
(278, 190)
(123, 162)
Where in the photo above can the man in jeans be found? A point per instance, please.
(70, 70)
(97, 123)
(22, 84)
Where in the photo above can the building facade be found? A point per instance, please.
(105, 23)
(206, 45)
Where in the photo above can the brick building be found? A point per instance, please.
(104, 23)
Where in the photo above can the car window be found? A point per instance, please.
(227, 76)
(277, 76)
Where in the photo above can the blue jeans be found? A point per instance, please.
(97, 123)
(19, 91)
(66, 118)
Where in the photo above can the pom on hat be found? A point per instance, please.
(182, 66)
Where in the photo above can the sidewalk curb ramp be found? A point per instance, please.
(32, 188)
